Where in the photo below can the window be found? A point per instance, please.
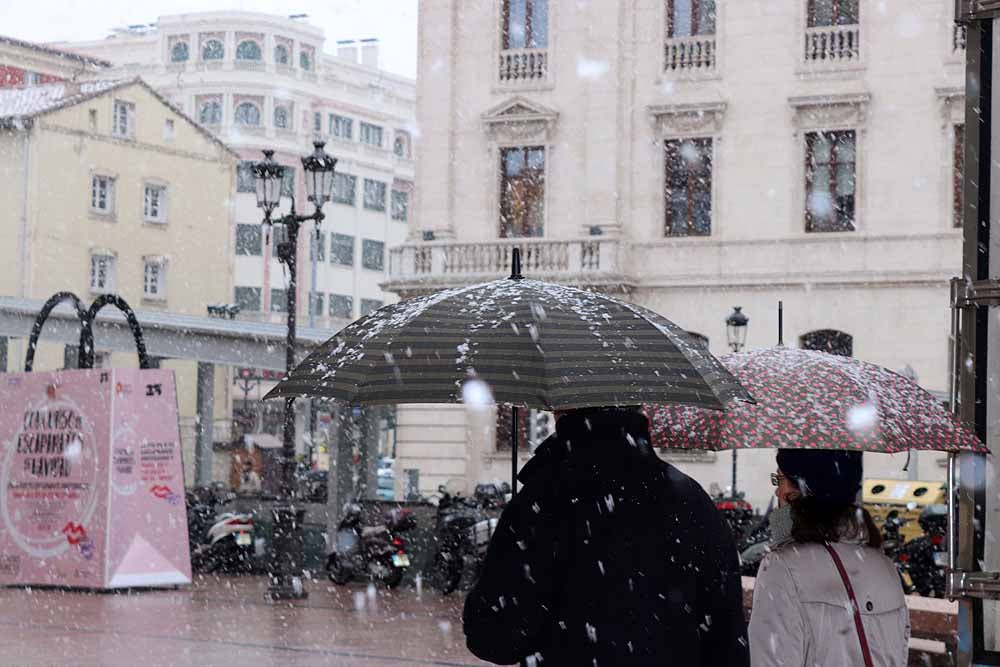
(247, 113)
(279, 235)
(688, 187)
(317, 247)
(249, 240)
(522, 191)
(179, 53)
(832, 12)
(342, 249)
(154, 203)
(288, 182)
(102, 273)
(686, 18)
(828, 340)
(371, 134)
(341, 127)
(248, 50)
(281, 54)
(213, 50)
(305, 60)
(124, 120)
(102, 194)
(400, 204)
(247, 298)
(401, 147)
(317, 122)
(210, 113)
(373, 255)
(316, 304)
(370, 306)
(154, 278)
(244, 177)
(341, 307)
(374, 195)
(505, 419)
(957, 175)
(344, 186)
(525, 24)
(830, 181)
(279, 300)
(92, 118)
(3, 354)
(281, 117)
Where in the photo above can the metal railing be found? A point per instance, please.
(834, 44)
(443, 259)
(524, 65)
(695, 53)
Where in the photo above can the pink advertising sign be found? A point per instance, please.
(91, 481)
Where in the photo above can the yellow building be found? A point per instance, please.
(108, 188)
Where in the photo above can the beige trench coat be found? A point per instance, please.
(802, 616)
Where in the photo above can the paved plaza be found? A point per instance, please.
(225, 621)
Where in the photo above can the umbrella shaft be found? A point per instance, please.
(513, 450)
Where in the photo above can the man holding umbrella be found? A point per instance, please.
(608, 556)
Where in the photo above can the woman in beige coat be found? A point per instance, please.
(823, 544)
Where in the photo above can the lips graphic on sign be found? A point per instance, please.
(160, 491)
(74, 533)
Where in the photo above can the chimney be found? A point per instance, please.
(369, 52)
(347, 49)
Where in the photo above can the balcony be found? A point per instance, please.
(524, 66)
(689, 54)
(833, 45)
(590, 261)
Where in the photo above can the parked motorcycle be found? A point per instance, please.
(228, 544)
(377, 552)
(893, 546)
(462, 531)
(926, 557)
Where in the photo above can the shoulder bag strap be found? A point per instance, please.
(865, 650)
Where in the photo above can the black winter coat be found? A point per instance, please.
(608, 556)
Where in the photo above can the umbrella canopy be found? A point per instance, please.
(534, 344)
(814, 400)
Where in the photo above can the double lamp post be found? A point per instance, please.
(287, 556)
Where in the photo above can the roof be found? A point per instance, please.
(59, 53)
(19, 106)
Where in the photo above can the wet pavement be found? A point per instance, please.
(225, 621)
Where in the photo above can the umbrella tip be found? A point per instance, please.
(515, 265)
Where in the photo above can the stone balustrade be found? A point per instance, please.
(684, 54)
(524, 66)
(833, 44)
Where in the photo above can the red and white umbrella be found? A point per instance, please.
(814, 400)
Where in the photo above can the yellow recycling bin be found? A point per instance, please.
(907, 497)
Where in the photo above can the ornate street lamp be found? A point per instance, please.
(736, 336)
(736, 328)
(286, 565)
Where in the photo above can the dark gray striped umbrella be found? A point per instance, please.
(534, 344)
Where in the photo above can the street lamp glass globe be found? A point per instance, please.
(319, 168)
(736, 328)
(268, 176)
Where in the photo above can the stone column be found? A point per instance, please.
(204, 434)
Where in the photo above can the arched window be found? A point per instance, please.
(210, 113)
(247, 113)
(213, 50)
(281, 117)
(828, 340)
(305, 60)
(281, 54)
(248, 50)
(179, 52)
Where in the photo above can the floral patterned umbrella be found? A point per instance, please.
(814, 400)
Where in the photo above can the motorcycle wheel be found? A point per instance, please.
(337, 571)
(446, 572)
(393, 576)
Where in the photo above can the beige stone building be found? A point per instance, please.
(693, 155)
(107, 188)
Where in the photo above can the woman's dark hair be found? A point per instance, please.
(814, 521)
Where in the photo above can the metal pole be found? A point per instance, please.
(734, 473)
(781, 321)
(513, 451)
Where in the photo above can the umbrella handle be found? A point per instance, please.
(513, 451)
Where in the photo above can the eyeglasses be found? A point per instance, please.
(776, 478)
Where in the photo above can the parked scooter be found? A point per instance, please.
(463, 531)
(228, 544)
(926, 557)
(377, 552)
(893, 545)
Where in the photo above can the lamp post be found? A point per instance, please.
(285, 568)
(736, 336)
